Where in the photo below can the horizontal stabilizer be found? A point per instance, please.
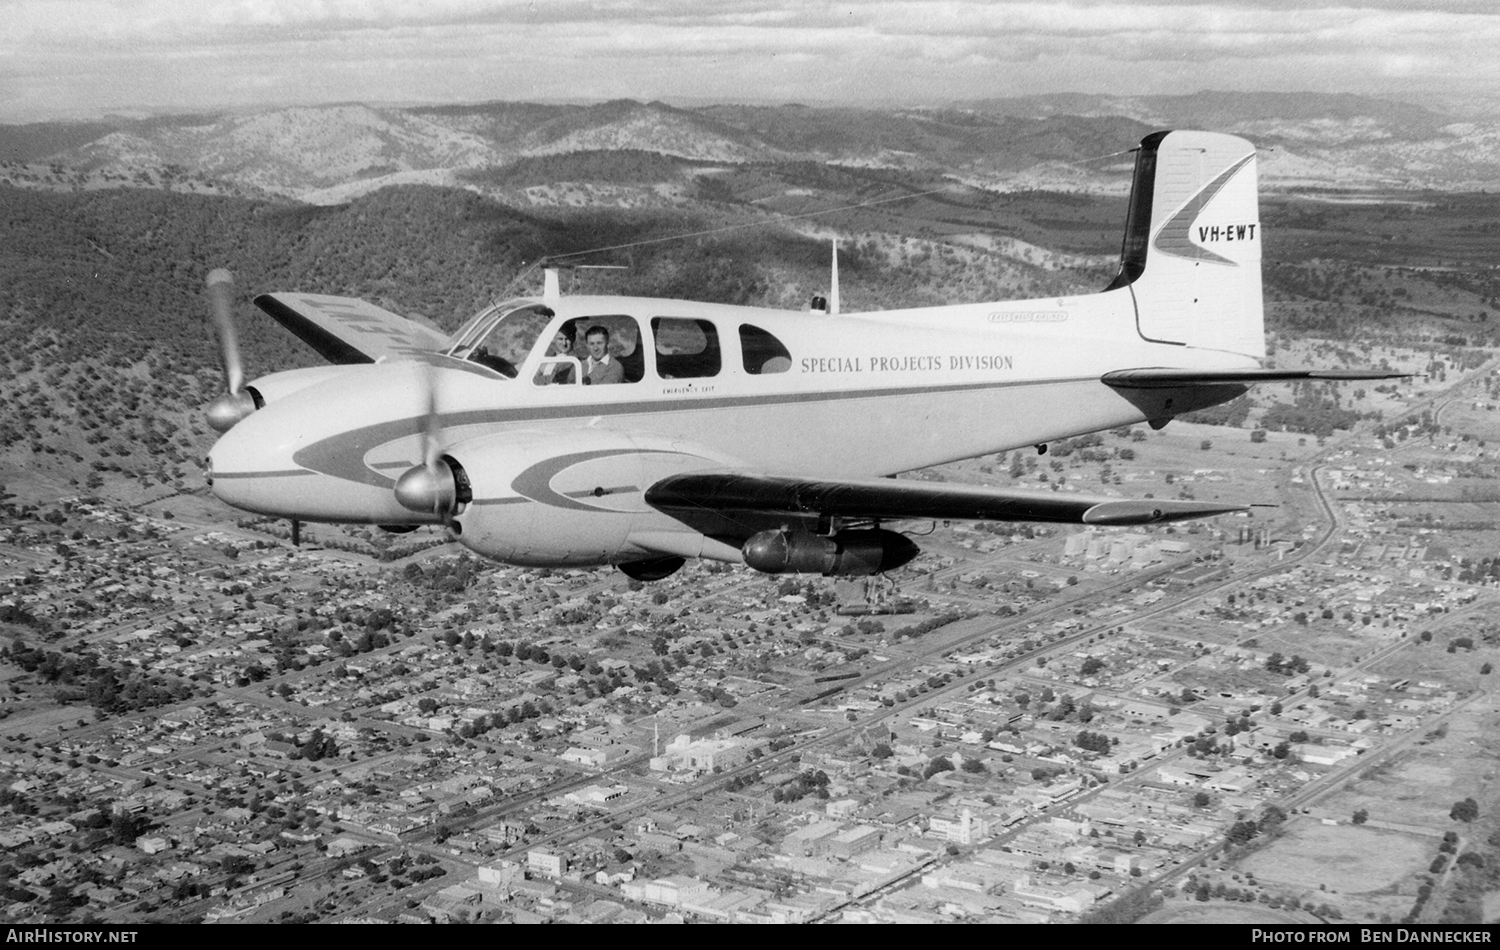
(1164, 377)
(349, 330)
(689, 497)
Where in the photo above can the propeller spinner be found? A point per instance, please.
(237, 402)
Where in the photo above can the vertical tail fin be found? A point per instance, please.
(1191, 256)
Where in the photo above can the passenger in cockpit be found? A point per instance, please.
(562, 345)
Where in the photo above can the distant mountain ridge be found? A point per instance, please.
(1228, 111)
(1064, 142)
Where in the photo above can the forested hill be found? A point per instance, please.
(122, 271)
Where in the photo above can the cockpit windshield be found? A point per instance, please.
(502, 337)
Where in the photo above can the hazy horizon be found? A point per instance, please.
(89, 59)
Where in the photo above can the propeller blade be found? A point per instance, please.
(220, 286)
(431, 447)
(430, 486)
(236, 403)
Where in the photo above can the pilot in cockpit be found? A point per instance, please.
(600, 367)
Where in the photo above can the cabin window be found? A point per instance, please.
(621, 339)
(686, 348)
(763, 353)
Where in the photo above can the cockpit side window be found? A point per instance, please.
(503, 341)
(686, 348)
(763, 353)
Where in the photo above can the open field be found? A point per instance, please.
(1358, 872)
(1347, 858)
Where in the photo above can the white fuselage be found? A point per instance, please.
(856, 396)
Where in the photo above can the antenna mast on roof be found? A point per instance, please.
(833, 282)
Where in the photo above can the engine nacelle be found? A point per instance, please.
(847, 553)
(574, 498)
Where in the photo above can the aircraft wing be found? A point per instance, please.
(1165, 377)
(349, 330)
(735, 504)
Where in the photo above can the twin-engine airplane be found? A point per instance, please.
(751, 435)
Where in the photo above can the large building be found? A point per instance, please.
(959, 829)
(546, 863)
(685, 754)
(671, 891)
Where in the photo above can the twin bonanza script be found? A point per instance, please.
(904, 364)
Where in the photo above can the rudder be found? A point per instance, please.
(1192, 249)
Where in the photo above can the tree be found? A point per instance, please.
(1242, 831)
(939, 764)
(1360, 817)
(125, 828)
(236, 864)
(1092, 741)
(1271, 819)
(1465, 811)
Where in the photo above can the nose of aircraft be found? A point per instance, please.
(251, 467)
(303, 457)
